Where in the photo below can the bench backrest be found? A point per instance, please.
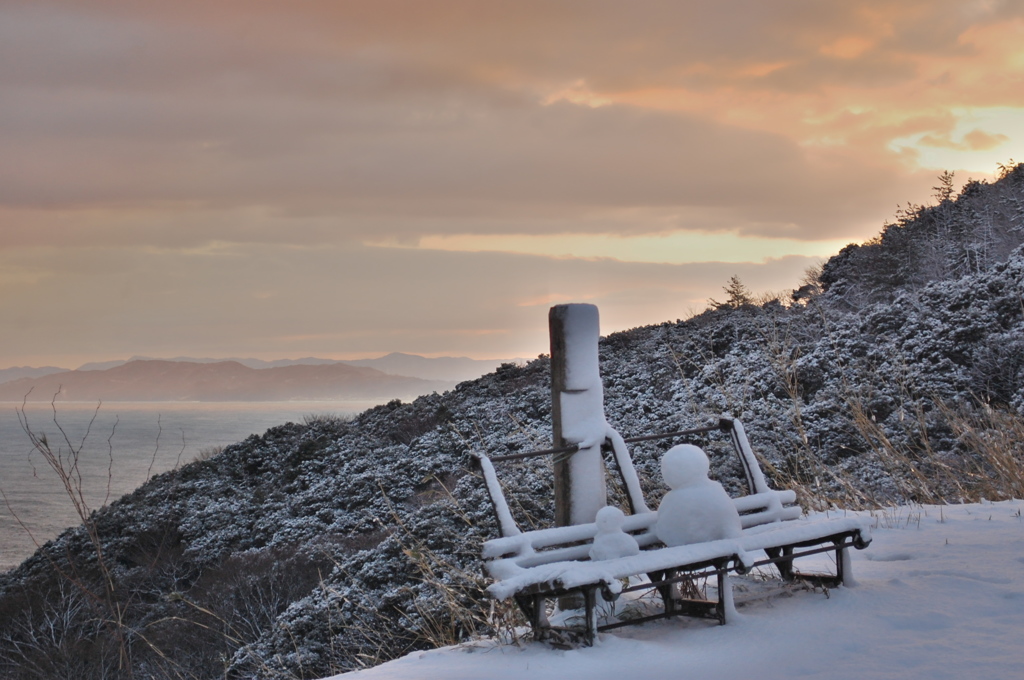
(762, 506)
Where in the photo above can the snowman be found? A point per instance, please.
(697, 509)
(611, 541)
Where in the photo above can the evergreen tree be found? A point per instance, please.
(738, 295)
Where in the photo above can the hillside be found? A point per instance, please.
(956, 237)
(154, 380)
(320, 548)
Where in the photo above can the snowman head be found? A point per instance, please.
(609, 519)
(684, 465)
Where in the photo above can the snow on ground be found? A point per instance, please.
(939, 594)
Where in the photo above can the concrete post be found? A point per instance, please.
(577, 413)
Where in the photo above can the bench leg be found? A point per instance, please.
(724, 604)
(590, 599)
(667, 592)
(824, 580)
(785, 567)
(533, 607)
(540, 613)
(843, 573)
(844, 568)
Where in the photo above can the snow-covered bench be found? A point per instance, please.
(535, 566)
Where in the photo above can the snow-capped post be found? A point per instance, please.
(577, 413)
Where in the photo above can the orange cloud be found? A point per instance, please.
(975, 140)
(849, 47)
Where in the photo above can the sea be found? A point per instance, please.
(112, 448)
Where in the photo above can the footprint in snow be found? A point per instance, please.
(960, 574)
(889, 557)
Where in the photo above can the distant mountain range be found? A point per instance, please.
(450, 369)
(158, 380)
(396, 375)
(455, 369)
(8, 374)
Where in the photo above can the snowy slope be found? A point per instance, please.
(939, 594)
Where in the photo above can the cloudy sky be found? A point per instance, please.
(345, 179)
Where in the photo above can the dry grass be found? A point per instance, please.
(208, 452)
(327, 418)
(459, 591)
(993, 468)
(986, 463)
(97, 587)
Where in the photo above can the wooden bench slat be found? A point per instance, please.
(570, 574)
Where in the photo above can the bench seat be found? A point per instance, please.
(567, 575)
(805, 531)
(520, 564)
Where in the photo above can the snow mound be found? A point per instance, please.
(697, 509)
(611, 542)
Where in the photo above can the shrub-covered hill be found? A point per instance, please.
(958, 236)
(332, 545)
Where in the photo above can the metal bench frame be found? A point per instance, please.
(764, 514)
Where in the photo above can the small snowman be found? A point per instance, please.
(611, 541)
(697, 509)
